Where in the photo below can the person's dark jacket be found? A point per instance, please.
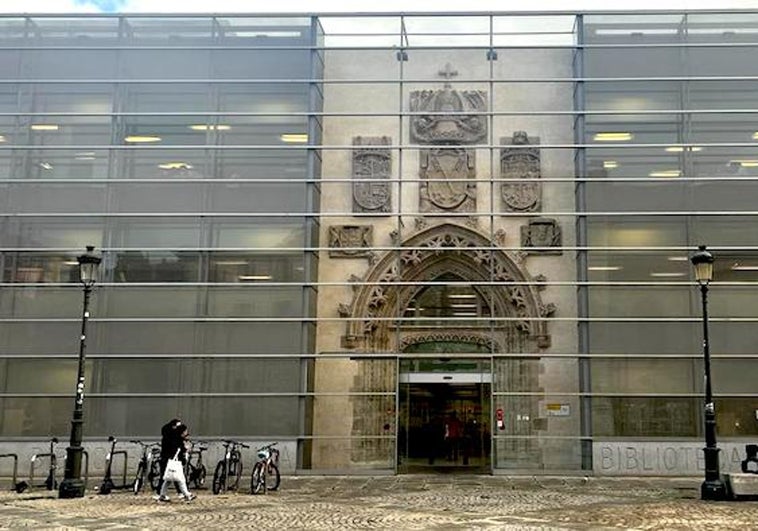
(172, 440)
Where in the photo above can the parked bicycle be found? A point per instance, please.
(149, 467)
(229, 469)
(194, 470)
(266, 470)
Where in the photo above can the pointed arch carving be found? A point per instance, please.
(391, 283)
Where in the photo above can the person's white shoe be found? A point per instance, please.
(164, 498)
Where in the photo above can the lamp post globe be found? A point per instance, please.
(713, 487)
(72, 485)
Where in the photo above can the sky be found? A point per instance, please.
(353, 6)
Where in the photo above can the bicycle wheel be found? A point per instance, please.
(199, 479)
(237, 475)
(272, 477)
(219, 478)
(258, 481)
(139, 479)
(154, 476)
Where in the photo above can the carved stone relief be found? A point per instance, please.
(372, 167)
(350, 241)
(438, 250)
(520, 163)
(445, 120)
(444, 172)
(542, 233)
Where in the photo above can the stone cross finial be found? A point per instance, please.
(448, 73)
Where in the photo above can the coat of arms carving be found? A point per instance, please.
(350, 241)
(544, 234)
(372, 166)
(521, 163)
(447, 176)
(444, 117)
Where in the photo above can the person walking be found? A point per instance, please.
(174, 436)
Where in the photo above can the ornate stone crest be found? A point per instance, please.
(521, 163)
(444, 172)
(350, 241)
(541, 232)
(372, 166)
(444, 120)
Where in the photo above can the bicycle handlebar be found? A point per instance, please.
(228, 442)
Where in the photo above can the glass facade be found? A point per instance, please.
(370, 236)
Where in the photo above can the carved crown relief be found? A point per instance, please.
(521, 162)
(444, 119)
(372, 167)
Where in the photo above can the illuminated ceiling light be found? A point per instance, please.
(744, 267)
(294, 138)
(679, 149)
(71, 263)
(755, 135)
(463, 305)
(604, 268)
(613, 137)
(254, 277)
(142, 139)
(2, 138)
(210, 127)
(461, 296)
(45, 165)
(44, 127)
(745, 163)
(670, 275)
(175, 166)
(85, 155)
(678, 259)
(610, 164)
(665, 173)
(231, 262)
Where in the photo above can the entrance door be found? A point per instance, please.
(444, 416)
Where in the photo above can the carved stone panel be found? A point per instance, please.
(372, 167)
(350, 241)
(444, 173)
(444, 119)
(542, 232)
(521, 163)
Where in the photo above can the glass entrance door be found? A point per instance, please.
(444, 416)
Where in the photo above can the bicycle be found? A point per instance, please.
(229, 469)
(149, 465)
(195, 472)
(266, 470)
(50, 482)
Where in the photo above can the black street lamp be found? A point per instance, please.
(713, 488)
(72, 485)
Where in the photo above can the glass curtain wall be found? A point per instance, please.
(179, 148)
(670, 153)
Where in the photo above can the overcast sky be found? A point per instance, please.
(311, 6)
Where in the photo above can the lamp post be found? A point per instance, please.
(713, 488)
(72, 485)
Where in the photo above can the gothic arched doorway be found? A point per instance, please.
(457, 311)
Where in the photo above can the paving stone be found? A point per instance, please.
(399, 503)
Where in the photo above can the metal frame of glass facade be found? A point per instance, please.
(209, 156)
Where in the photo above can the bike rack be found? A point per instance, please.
(15, 468)
(31, 466)
(85, 455)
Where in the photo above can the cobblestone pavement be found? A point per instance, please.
(399, 503)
